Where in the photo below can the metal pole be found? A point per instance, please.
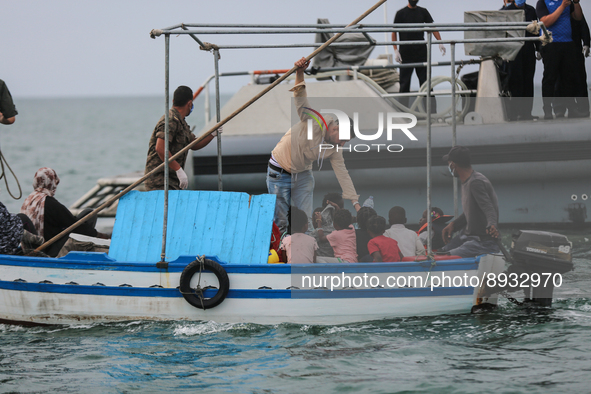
(207, 105)
(352, 29)
(429, 69)
(453, 120)
(166, 129)
(197, 40)
(435, 26)
(385, 33)
(378, 43)
(218, 115)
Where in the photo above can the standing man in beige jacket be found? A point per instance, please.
(289, 174)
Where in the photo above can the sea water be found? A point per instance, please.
(510, 350)
(82, 139)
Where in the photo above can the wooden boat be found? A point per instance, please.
(232, 282)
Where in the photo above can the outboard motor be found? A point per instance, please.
(538, 260)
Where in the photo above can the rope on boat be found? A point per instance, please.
(430, 256)
(207, 46)
(155, 33)
(195, 295)
(198, 290)
(204, 46)
(4, 175)
(201, 261)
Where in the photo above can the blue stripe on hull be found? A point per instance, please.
(239, 293)
(101, 262)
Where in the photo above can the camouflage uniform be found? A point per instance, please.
(179, 136)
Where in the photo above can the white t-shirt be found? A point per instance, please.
(408, 240)
(300, 248)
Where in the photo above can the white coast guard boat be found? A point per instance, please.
(234, 283)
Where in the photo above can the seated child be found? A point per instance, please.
(408, 240)
(361, 233)
(323, 219)
(380, 247)
(342, 240)
(299, 247)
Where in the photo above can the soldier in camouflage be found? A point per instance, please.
(179, 136)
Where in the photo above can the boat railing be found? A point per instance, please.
(195, 31)
(105, 189)
(416, 108)
(355, 72)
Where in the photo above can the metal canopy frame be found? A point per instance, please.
(193, 30)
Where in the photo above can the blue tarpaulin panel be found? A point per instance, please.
(233, 226)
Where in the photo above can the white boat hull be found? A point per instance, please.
(59, 308)
(75, 291)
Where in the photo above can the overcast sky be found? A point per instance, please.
(70, 48)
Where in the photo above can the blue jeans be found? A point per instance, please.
(296, 190)
(470, 246)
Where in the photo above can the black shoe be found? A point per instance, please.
(548, 117)
(558, 116)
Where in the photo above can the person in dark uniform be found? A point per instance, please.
(521, 70)
(582, 40)
(7, 109)
(412, 53)
(560, 54)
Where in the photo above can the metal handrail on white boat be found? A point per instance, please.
(104, 189)
(416, 108)
(218, 29)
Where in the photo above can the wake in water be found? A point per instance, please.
(510, 349)
(506, 349)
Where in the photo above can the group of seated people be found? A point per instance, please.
(41, 218)
(335, 239)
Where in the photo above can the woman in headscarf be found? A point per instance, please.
(48, 215)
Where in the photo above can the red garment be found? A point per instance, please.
(275, 237)
(386, 246)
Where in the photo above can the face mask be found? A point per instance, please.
(192, 106)
(413, 3)
(519, 3)
(450, 170)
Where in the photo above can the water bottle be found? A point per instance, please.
(369, 202)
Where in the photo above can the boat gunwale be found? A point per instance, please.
(102, 262)
(320, 293)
